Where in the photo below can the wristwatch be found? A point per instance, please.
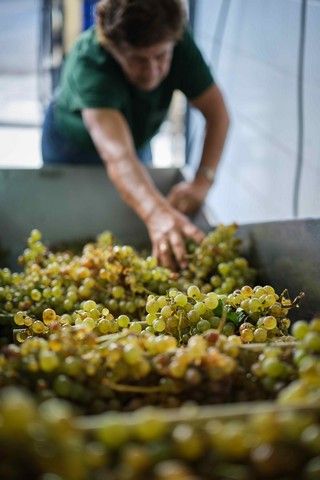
(207, 172)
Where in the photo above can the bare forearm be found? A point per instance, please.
(114, 143)
(167, 228)
(188, 197)
(215, 137)
(134, 185)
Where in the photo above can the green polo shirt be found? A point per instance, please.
(91, 78)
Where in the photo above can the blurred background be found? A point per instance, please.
(264, 56)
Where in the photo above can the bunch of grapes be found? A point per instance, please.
(40, 442)
(123, 369)
(194, 444)
(290, 370)
(108, 329)
(306, 360)
(48, 442)
(216, 263)
(115, 276)
(182, 314)
(262, 313)
(91, 316)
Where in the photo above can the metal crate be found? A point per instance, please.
(68, 204)
(76, 203)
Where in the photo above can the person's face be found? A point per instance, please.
(145, 67)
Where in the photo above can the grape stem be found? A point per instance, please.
(222, 320)
(132, 388)
(111, 337)
(195, 415)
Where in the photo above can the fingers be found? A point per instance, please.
(191, 231)
(164, 254)
(178, 248)
(171, 250)
(168, 238)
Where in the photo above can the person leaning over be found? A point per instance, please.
(114, 93)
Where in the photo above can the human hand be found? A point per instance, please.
(187, 197)
(168, 230)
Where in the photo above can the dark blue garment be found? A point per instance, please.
(57, 148)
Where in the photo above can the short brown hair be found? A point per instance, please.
(140, 23)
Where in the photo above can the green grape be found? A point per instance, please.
(189, 445)
(181, 300)
(94, 313)
(118, 292)
(131, 354)
(173, 292)
(63, 386)
(162, 301)
(73, 366)
(19, 318)
(254, 305)
(135, 327)
(269, 322)
(200, 308)
(48, 361)
(203, 325)
(104, 325)
(123, 321)
(152, 307)
(228, 329)
(150, 318)
(48, 316)
(89, 323)
(260, 335)
(159, 325)
(35, 295)
(246, 335)
(166, 311)
(315, 325)
(273, 368)
(113, 434)
(311, 342)
(300, 329)
(194, 292)
(89, 305)
(193, 316)
(247, 291)
(211, 301)
(38, 327)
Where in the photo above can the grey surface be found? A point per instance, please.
(287, 255)
(255, 62)
(69, 204)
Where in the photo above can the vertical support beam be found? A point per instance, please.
(72, 22)
(192, 20)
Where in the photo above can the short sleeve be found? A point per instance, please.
(93, 85)
(191, 69)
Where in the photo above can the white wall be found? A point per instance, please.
(255, 62)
